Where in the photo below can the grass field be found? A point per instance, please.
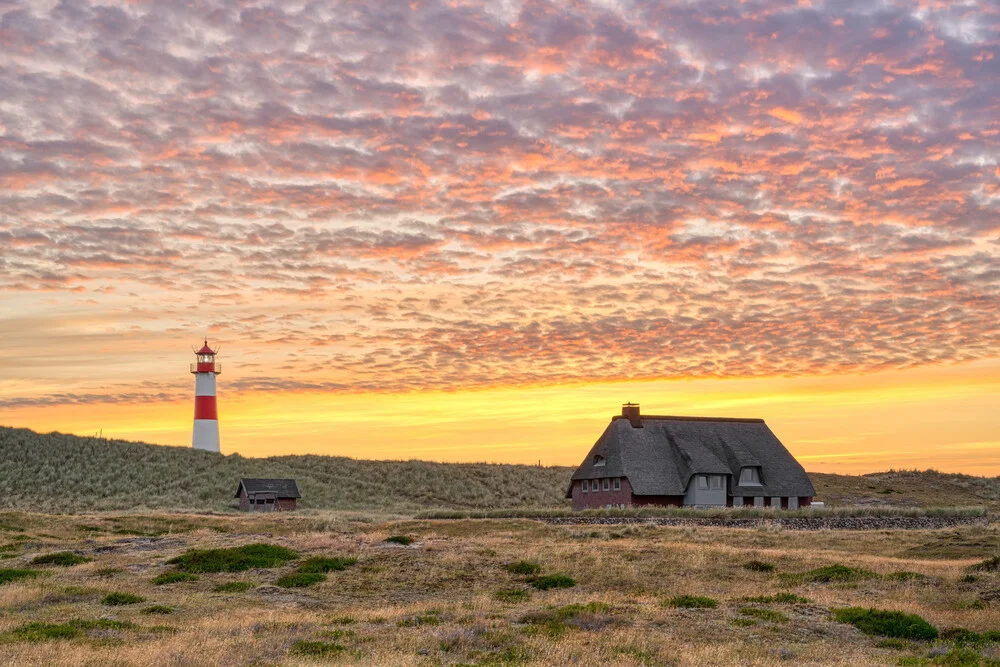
(66, 473)
(166, 589)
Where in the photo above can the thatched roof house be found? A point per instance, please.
(654, 460)
(268, 495)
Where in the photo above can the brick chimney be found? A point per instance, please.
(631, 412)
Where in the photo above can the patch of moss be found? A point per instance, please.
(316, 648)
(887, 623)
(553, 581)
(158, 609)
(120, 599)
(60, 558)
(400, 539)
(174, 577)
(764, 614)
(525, 567)
(837, 573)
(9, 575)
(691, 602)
(236, 559)
(779, 598)
(300, 579)
(512, 595)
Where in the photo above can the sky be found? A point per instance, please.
(469, 231)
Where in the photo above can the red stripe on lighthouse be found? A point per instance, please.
(204, 408)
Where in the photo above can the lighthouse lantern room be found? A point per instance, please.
(206, 417)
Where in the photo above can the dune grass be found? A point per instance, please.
(235, 559)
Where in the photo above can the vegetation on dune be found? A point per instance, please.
(316, 648)
(405, 540)
(121, 599)
(158, 609)
(235, 559)
(779, 598)
(56, 472)
(300, 579)
(525, 567)
(234, 587)
(9, 575)
(61, 558)
(174, 577)
(548, 581)
(324, 564)
(887, 623)
(37, 631)
(764, 614)
(758, 566)
(835, 573)
(512, 595)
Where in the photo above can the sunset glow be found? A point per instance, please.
(469, 231)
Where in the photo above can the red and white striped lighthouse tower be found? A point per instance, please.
(206, 416)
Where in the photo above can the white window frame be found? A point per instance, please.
(585, 486)
(618, 483)
(702, 482)
(715, 482)
(606, 484)
(754, 480)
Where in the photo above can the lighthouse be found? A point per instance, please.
(206, 416)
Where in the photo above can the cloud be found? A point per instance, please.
(448, 195)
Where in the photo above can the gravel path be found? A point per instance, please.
(791, 523)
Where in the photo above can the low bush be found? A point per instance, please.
(300, 579)
(553, 621)
(988, 565)
(236, 559)
(400, 539)
(512, 595)
(316, 648)
(321, 565)
(691, 602)
(553, 581)
(764, 614)
(837, 573)
(120, 599)
(234, 587)
(779, 598)
(526, 567)
(963, 636)
(60, 558)
(887, 623)
(174, 577)
(158, 609)
(7, 576)
(758, 566)
(905, 576)
(36, 631)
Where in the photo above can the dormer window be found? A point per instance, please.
(598, 460)
(750, 477)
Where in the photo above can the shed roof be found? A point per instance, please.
(660, 455)
(281, 488)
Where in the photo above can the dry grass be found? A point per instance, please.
(434, 602)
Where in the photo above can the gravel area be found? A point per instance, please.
(791, 523)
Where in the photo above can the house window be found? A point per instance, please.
(750, 477)
(618, 484)
(595, 485)
(585, 485)
(599, 460)
(715, 481)
(702, 482)
(607, 484)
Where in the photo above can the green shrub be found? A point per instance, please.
(743, 622)
(553, 621)
(236, 559)
(887, 623)
(7, 576)
(779, 598)
(691, 602)
(234, 587)
(159, 609)
(968, 579)
(905, 576)
(400, 539)
(300, 579)
(321, 565)
(758, 566)
(61, 558)
(174, 577)
(119, 599)
(35, 632)
(512, 595)
(553, 581)
(764, 614)
(316, 648)
(525, 567)
(836, 573)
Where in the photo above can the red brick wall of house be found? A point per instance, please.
(598, 499)
(244, 501)
(623, 496)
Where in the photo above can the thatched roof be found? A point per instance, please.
(281, 488)
(659, 455)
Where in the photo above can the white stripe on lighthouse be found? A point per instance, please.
(204, 384)
(206, 435)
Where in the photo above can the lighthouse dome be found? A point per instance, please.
(205, 349)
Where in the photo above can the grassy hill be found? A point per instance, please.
(66, 473)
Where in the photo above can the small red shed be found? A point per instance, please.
(267, 495)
